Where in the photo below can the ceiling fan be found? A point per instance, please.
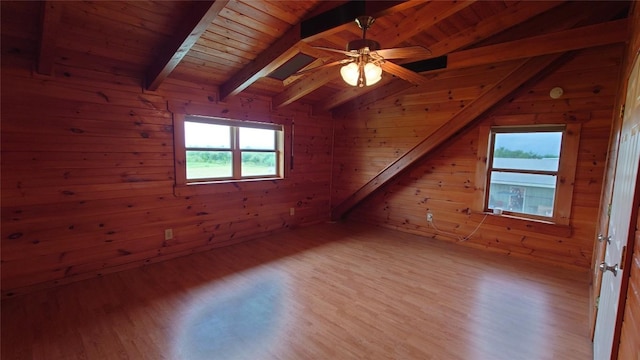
(366, 60)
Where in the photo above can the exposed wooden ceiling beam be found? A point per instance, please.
(322, 59)
(579, 38)
(269, 60)
(280, 51)
(318, 76)
(276, 55)
(352, 98)
(572, 39)
(339, 17)
(425, 17)
(439, 80)
(301, 88)
(199, 18)
(420, 20)
(490, 26)
(51, 12)
(529, 69)
(404, 73)
(557, 20)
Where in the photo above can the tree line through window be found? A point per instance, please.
(221, 149)
(524, 170)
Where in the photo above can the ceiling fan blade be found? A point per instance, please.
(334, 63)
(417, 52)
(343, 52)
(403, 73)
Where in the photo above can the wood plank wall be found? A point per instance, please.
(88, 172)
(87, 163)
(369, 139)
(443, 183)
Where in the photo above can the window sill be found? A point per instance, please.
(220, 187)
(512, 222)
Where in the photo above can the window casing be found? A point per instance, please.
(525, 184)
(212, 150)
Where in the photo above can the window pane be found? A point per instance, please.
(522, 193)
(258, 163)
(257, 139)
(208, 164)
(527, 151)
(210, 136)
(546, 164)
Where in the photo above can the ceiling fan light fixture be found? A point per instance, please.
(365, 59)
(372, 73)
(360, 45)
(361, 73)
(350, 74)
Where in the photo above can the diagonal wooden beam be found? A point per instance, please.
(365, 95)
(301, 88)
(579, 38)
(199, 18)
(322, 60)
(51, 12)
(420, 20)
(488, 27)
(425, 17)
(337, 17)
(513, 15)
(573, 39)
(404, 73)
(528, 70)
(269, 60)
(557, 20)
(281, 51)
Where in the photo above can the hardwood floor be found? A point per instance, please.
(332, 291)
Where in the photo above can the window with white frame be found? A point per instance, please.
(529, 171)
(225, 150)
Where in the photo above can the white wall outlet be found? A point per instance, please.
(292, 211)
(429, 217)
(168, 234)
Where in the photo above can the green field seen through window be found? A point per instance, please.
(203, 170)
(218, 164)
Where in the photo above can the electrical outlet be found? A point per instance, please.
(429, 217)
(292, 211)
(168, 234)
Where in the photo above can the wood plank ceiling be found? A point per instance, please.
(235, 45)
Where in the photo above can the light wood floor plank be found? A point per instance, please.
(332, 291)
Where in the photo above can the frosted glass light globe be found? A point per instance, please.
(373, 73)
(350, 74)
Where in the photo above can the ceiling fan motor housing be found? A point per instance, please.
(362, 43)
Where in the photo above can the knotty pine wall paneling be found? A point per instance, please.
(88, 173)
(369, 139)
(443, 182)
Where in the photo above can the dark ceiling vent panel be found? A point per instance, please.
(335, 17)
(427, 65)
(295, 64)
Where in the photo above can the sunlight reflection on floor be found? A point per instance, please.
(234, 320)
(517, 307)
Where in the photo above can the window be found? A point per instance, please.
(226, 150)
(529, 171)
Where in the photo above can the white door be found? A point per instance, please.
(624, 190)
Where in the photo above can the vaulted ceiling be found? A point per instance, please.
(236, 45)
